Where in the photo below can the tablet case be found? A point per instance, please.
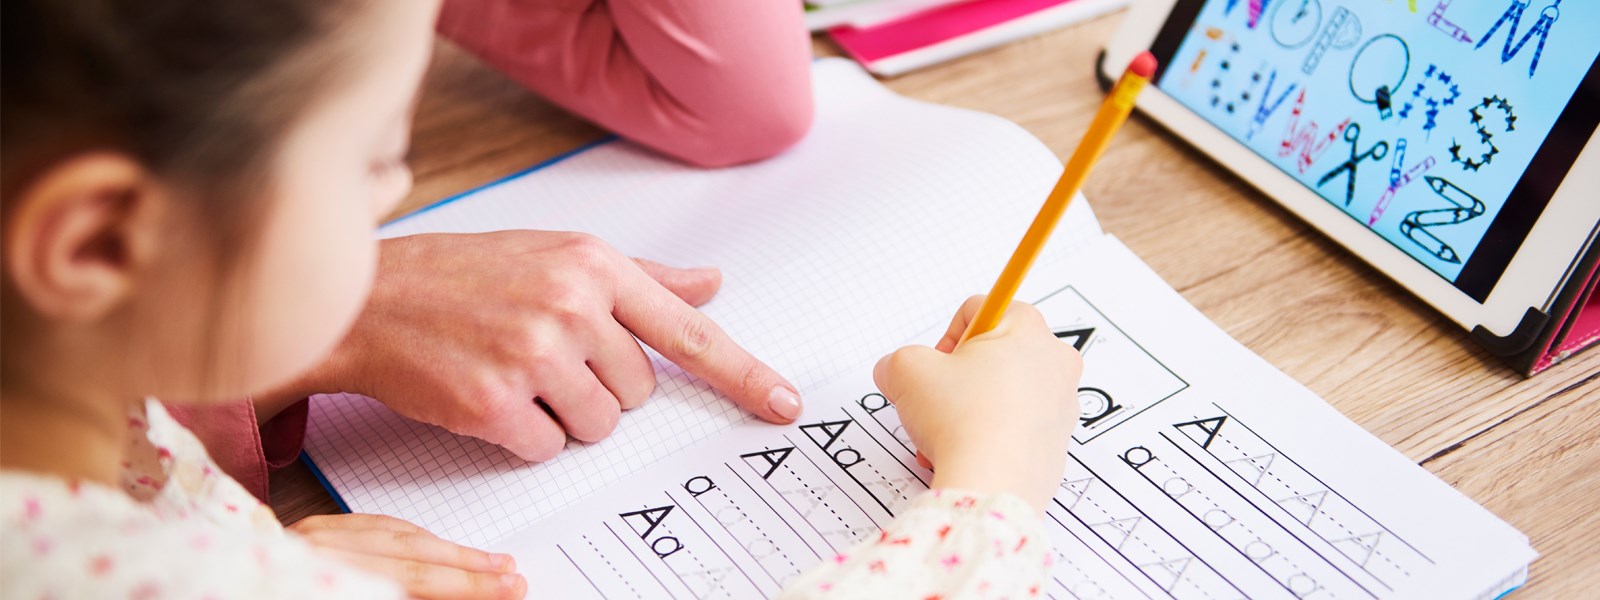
(1546, 335)
(1576, 325)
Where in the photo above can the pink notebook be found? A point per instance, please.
(1574, 320)
(956, 30)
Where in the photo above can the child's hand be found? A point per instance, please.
(994, 415)
(427, 566)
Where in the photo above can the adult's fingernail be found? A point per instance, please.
(785, 403)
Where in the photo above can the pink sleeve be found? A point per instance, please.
(711, 82)
(246, 451)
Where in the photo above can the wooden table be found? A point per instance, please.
(1525, 448)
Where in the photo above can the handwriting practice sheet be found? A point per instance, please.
(880, 223)
(1199, 472)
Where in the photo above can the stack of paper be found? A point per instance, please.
(826, 14)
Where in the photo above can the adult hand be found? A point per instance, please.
(465, 331)
(428, 567)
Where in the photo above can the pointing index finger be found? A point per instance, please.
(690, 339)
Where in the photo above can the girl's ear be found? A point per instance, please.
(81, 233)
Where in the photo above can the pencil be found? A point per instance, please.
(1113, 112)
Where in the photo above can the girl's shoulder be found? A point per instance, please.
(169, 470)
(176, 527)
(82, 540)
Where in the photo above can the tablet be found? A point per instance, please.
(1451, 144)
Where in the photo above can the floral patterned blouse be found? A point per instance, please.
(177, 528)
(180, 528)
(948, 544)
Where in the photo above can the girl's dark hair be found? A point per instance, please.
(199, 92)
(196, 90)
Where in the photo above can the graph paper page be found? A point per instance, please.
(870, 231)
(1198, 472)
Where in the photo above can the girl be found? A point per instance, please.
(188, 191)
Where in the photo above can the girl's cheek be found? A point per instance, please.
(313, 272)
(390, 188)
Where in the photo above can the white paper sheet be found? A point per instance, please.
(871, 230)
(1199, 471)
(1208, 475)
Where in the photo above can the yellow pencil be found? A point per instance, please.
(1113, 111)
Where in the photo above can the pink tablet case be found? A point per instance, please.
(871, 44)
(1575, 327)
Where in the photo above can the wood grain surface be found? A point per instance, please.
(1527, 449)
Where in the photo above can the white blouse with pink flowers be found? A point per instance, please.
(178, 528)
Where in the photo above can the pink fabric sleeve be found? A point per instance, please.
(710, 82)
(246, 451)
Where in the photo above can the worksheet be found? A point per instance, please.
(880, 223)
(1198, 472)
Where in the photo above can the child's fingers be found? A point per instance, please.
(1020, 313)
(417, 546)
(906, 364)
(1024, 316)
(958, 324)
(354, 521)
(437, 582)
(1021, 326)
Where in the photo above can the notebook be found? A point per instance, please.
(895, 46)
(862, 13)
(1197, 470)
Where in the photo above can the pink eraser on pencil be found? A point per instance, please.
(1143, 65)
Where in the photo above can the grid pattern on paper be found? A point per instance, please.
(861, 237)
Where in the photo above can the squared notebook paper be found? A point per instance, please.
(1198, 470)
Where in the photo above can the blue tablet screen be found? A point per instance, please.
(1420, 119)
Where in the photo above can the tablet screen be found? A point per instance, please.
(1444, 126)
